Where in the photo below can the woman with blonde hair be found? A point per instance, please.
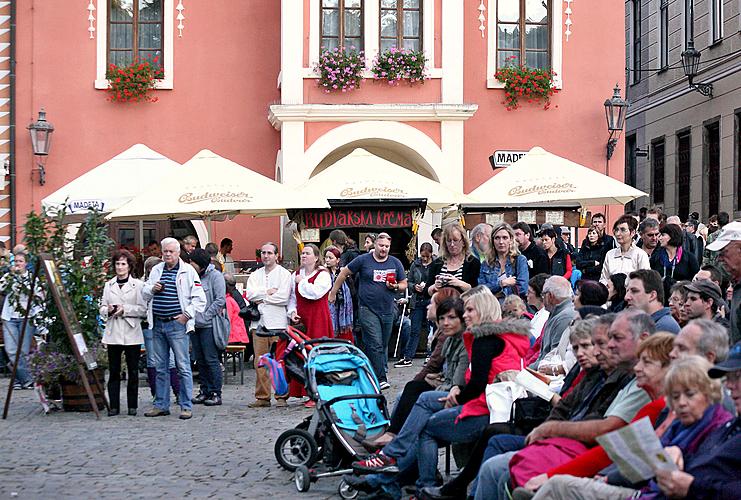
(456, 267)
(505, 271)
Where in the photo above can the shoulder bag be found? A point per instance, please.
(221, 327)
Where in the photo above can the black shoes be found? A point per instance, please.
(440, 493)
(213, 400)
(199, 399)
(113, 412)
(132, 412)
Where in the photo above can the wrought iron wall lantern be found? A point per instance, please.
(41, 131)
(615, 113)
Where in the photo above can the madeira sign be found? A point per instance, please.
(505, 158)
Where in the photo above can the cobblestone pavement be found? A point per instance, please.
(222, 452)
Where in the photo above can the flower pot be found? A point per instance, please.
(74, 397)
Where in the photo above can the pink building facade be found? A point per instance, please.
(239, 80)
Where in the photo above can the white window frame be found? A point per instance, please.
(556, 17)
(716, 21)
(102, 45)
(371, 31)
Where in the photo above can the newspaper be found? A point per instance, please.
(533, 384)
(636, 450)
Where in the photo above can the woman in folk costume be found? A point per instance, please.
(341, 310)
(308, 304)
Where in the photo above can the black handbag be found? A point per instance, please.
(528, 413)
(250, 312)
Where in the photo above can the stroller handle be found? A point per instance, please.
(326, 340)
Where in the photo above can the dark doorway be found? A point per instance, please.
(712, 166)
(683, 174)
(630, 166)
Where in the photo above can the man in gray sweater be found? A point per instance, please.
(558, 299)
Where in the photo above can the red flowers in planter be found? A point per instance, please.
(529, 83)
(133, 83)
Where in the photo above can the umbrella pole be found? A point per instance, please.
(141, 234)
(210, 229)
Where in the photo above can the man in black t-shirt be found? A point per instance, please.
(537, 260)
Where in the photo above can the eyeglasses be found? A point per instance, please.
(621, 230)
(457, 242)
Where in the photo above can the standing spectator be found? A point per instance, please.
(627, 257)
(599, 221)
(559, 261)
(616, 292)
(456, 267)
(339, 239)
(671, 260)
(379, 277)
(213, 254)
(226, 261)
(566, 239)
(591, 255)
(341, 311)
(370, 241)
(649, 232)
(702, 301)
(505, 272)
(176, 296)
(270, 288)
(537, 260)
(149, 344)
(558, 300)
(123, 308)
(436, 236)
(418, 302)
(689, 240)
(153, 249)
(691, 228)
(481, 241)
(239, 325)
(14, 286)
(728, 246)
(205, 352)
(190, 243)
(646, 292)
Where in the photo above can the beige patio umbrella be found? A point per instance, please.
(113, 183)
(212, 187)
(541, 178)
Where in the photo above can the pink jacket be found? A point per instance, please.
(238, 333)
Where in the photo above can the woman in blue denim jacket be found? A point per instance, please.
(505, 270)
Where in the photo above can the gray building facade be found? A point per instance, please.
(682, 147)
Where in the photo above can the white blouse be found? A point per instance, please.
(618, 262)
(310, 291)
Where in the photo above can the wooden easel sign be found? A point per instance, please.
(85, 359)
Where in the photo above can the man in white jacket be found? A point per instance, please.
(270, 288)
(175, 295)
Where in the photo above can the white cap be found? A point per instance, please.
(730, 232)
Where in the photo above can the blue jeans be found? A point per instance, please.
(405, 443)
(418, 318)
(494, 473)
(149, 348)
(207, 357)
(11, 334)
(376, 335)
(172, 335)
(443, 428)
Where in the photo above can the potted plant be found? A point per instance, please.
(340, 70)
(81, 262)
(134, 82)
(395, 65)
(521, 82)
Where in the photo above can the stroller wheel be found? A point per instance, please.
(347, 491)
(294, 448)
(302, 478)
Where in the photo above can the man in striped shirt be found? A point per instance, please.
(175, 296)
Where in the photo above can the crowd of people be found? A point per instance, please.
(638, 323)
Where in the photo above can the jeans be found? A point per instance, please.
(406, 326)
(207, 357)
(581, 488)
(442, 427)
(149, 348)
(405, 403)
(11, 334)
(114, 377)
(405, 443)
(419, 320)
(172, 335)
(499, 445)
(376, 335)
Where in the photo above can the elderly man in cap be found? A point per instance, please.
(703, 300)
(728, 243)
(711, 472)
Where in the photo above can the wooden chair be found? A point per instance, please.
(235, 353)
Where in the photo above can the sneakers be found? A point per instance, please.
(17, 386)
(157, 412)
(185, 414)
(384, 385)
(403, 363)
(200, 398)
(310, 404)
(259, 403)
(375, 464)
(214, 400)
(280, 403)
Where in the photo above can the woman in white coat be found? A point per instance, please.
(123, 310)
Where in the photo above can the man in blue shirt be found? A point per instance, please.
(379, 276)
(645, 291)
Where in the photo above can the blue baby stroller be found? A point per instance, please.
(349, 408)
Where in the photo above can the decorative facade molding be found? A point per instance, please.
(482, 18)
(91, 19)
(568, 21)
(180, 18)
(282, 113)
(5, 207)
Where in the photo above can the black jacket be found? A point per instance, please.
(684, 270)
(537, 260)
(557, 266)
(590, 259)
(471, 269)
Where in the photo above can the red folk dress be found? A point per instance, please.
(309, 300)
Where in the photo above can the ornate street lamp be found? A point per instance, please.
(690, 65)
(615, 113)
(41, 131)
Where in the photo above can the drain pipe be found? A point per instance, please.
(11, 156)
